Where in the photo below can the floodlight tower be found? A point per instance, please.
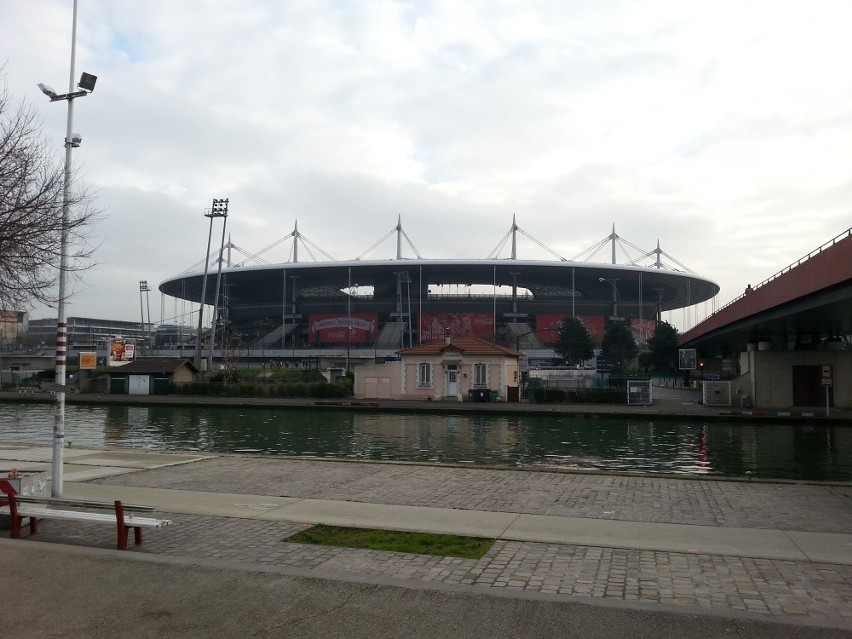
(143, 297)
(219, 209)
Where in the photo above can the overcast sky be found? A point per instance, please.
(722, 129)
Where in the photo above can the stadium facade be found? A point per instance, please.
(363, 309)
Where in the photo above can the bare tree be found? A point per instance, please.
(32, 178)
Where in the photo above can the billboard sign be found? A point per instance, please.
(121, 351)
(687, 359)
(435, 326)
(327, 328)
(88, 361)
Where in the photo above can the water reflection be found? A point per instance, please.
(816, 450)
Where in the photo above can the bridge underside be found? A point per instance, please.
(804, 324)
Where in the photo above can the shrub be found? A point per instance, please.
(545, 395)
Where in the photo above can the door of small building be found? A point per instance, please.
(452, 379)
(807, 387)
(162, 385)
(139, 384)
(117, 385)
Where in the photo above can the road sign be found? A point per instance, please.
(687, 359)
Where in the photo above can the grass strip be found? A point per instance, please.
(394, 541)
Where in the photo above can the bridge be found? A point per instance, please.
(775, 340)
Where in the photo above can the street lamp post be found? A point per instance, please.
(295, 316)
(86, 85)
(614, 316)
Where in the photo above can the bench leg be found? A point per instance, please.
(124, 536)
(17, 522)
(123, 531)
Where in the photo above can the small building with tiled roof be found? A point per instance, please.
(455, 368)
(150, 375)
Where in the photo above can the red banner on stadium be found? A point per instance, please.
(328, 328)
(546, 325)
(434, 326)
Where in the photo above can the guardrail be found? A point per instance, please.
(786, 269)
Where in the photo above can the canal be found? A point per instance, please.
(816, 450)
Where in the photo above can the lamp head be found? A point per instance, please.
(87, 82)
(49, 92)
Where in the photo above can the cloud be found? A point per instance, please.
(720, 130)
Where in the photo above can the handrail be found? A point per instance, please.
(786, 269)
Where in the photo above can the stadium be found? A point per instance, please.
(366, 309)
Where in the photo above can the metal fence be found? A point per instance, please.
(716, 393)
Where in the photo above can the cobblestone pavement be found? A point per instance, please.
(711, 502)
(820, 593)
(783, 590)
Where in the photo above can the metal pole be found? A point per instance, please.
(284, 312)
(61, 327)
(218, 284)
(197, 359)
(142, 287)
(150, 323)
(348, 317)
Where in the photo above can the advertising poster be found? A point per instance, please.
(362, 328)
(88, 361)
(435, 326)
(547, 325)
(121, 351)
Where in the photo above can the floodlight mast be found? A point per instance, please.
(86, 86)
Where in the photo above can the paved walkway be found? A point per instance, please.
(781, 551)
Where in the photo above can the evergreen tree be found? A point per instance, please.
(663, 347)
(573, 341)
(618, 345)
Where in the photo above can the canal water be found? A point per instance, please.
(817, 450)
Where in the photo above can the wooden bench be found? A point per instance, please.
(123, 516)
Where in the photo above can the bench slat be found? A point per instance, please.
(26, 510)
(81, 503)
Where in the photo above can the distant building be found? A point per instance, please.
(13, 328)
(150, 376)
(459, 368)
(86, 333)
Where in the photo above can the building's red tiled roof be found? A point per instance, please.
(466, 345)
(152, 366)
